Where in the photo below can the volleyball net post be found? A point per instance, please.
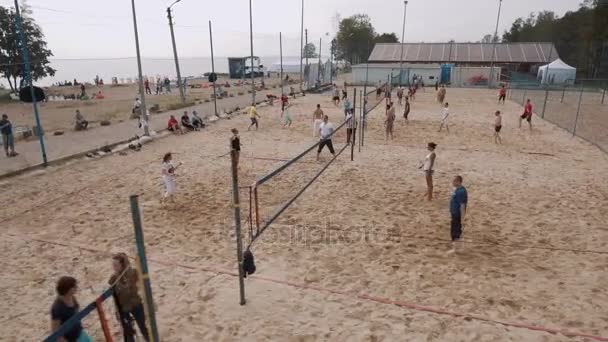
(353, 126)
(142, 263)
(237, 223)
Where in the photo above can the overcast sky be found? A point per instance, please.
(93, 29)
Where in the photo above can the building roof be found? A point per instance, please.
(464, 52)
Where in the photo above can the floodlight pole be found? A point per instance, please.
(547, 85)
(319, 71)
(213, 70)
(494, 39)
(28, 82)
(281, 56)
(402, 42)
(251, 44)
(179, 76)
(142, 93)
(301, 46)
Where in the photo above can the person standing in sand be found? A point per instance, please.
(64, 307)
(428, 166)
(235, 145)
(527, 114)
(458, 210)
(502, 94)
(497, 127)
(444, 120)
(317, 119)
(8, 140)
(406, 110)
(126, 297)
(325, 131)
(336, 97)
(253, 116)
(400, 95)
(441, 94)
(390, 120)
(286, 117)
(168, 173)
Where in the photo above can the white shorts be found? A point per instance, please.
(170, 186)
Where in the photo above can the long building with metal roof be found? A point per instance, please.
(465, 53)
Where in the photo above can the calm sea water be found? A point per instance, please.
(86, 69)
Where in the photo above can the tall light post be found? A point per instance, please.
(213, 70)
(179, 76)
(402, 42)
(251, 44)
(28, 81)
(494, 40)
(301, 46)
(142, 94)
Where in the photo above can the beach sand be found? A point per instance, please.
(362, 230)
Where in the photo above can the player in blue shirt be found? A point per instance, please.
(458, 210)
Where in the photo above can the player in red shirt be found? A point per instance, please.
(527, 114)
(502, 94)
(284, 102)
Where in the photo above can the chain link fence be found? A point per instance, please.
(581, 108)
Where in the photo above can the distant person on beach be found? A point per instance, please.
(284, 101)
(390, 120)
(64, 307)
(147, 86)
(286, 117)
(502, 94)
(441, 94)
(527, 114)
(325, 131)
(407, 108)
(292, 92)
(136, 106)
(497, 127)
(167, 84)
(129, 304)
(444, 120)
(159, 86)
(317, 119)
(8, 140)
(336, 98)
(253, 116)
(378, 91)
(400, 95)
(99, 96)
(428, 166)
(458, 210)
(412, 93)
(186, 123)
(168, 173)
(436, 85)
(81, 123)
(173, 125)
(235, 144)
(344, 94)
(351, 127)
(83, 91)
(346, 105)
(197, 121)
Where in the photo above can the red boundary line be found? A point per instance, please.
(362, 296)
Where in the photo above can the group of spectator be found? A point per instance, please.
(186, 123)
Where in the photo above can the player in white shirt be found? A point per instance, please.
(446, 115)
(168, 173)
(325, 131)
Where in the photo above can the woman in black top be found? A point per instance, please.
(235, 144)
(66, 306)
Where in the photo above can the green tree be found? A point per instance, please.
(310, 51)
(355, 38)
(386, 38)
(11, 59)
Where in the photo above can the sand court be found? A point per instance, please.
(347, 259)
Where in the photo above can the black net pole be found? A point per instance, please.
(353, 125)
(360, 118)
(237, 224)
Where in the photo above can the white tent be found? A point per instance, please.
(556, 72)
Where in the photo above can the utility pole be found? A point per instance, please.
(319, 72)
(402, 42)
(179, 76)
(301, 46)
(251, 43)
(305, 45)
(142, 93)
(28, 82)
(213, 70)
(281, 54)
(494, 39)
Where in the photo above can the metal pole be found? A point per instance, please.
(281, 54)
(354, 125)
(237, 225)
(494, 39)
(402, 43)
(578, 110)
(301, 46)
(305, 45)
(331, 64)
(28, 82)
(523, 99)
(179, 76)
(603, 95)
(141, 255)
(547, 85)
(142, 93)
(319, 68)
(360, 117)
(251, 43)
(213, 70)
